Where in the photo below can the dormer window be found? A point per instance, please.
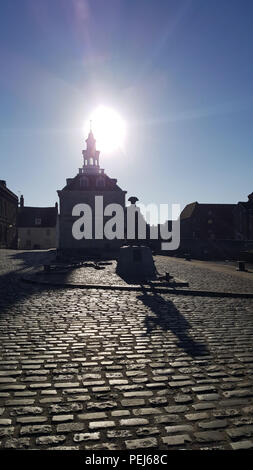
(37, 221)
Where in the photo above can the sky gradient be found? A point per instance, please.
(180, 73)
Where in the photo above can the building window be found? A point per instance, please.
(37, 221)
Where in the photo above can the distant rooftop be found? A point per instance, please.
(37, 216)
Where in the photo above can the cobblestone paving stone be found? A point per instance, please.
(106, 275)
(122, 370)
(200, 276)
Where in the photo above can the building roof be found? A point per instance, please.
(248, 205)
(217, 210)
(188, 210)
(244, 204)
(7, 191)
(75, 184)
(37, 216)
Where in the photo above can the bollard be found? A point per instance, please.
(241, 266)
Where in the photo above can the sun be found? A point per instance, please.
(108, 127)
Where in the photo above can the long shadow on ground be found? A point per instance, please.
(12, 289)
(169, 318)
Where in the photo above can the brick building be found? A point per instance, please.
(221, 231)
(208, 221)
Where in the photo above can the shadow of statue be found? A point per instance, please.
(168, 318)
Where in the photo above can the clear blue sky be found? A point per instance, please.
(180, 72)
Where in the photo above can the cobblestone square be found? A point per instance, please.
(125, 369)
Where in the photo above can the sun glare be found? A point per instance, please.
(108, 128)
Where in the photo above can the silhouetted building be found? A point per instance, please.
(216, 231)
(91, 181)
(208, 221)
(8, 217)
(37, 227)
(244, 219)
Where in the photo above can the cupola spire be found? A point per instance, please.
(91, 154)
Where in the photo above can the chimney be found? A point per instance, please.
(21, 202)
(250, 197)
(3, 183)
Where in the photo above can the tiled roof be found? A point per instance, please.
(74, 184)
(188, 210)
(218, 210)
(37, 216)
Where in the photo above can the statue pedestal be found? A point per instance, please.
(136, 262)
